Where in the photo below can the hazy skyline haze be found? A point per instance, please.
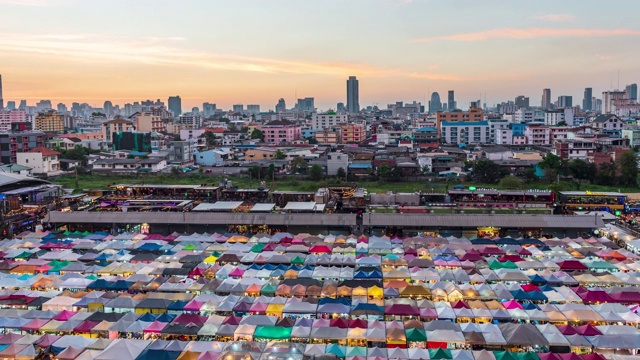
(254, 52)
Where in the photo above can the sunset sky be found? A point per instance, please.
(256, 51)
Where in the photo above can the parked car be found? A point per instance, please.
(208, 171)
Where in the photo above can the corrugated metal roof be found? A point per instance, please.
(218, 206)
(512, 221)
(86, 217)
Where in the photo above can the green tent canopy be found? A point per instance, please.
(416, 335)
(272, 332)
(440, 353)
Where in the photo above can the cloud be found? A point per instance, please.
(555, 17)
(97, 49)
(530, 33)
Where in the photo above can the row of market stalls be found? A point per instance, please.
(70, 347)
(444, 296)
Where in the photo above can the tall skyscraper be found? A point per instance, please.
(451, 101)
(306, 104)
(208, 109)
(521, 101)
(175, 105)
(108, 109)
(11, 105)
(238, 108)
(1, 98)
(631, 89)
(565, 101)
(546, 99)
(353, 95)
(435, 104)
(62, 108)
(587, 103)
(281, 105)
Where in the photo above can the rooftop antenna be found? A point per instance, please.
(618, 79)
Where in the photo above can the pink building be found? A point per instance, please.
(280, 131)
(538, 135)
(11, 116)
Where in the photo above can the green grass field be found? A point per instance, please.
(96, 182)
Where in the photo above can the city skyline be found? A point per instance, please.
(73, 51)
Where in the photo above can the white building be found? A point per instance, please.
(465, 132)
(41, 160)
(526, 116)
(553, 118)
(335, 161)
(494, 126)
(330, 119)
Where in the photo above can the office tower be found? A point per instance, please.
(546, 99)
(435, 104)
(565, 101)
(1, 98)
(175, 105)
(238, 108)
(341, 108)
(44, 105)
(451, 101)
(195, 110)
(11, 105)
(208, 109)
(306, 104)
(587, 104)
(108, 109)
(353, 95)
(521, 101)
(598, 103)
(23, 105)
(445, 107)
(61, 108)
(631, 89)
(253, 109)
(281, 106)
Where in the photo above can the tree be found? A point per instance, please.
(562, 123)
(606, 174)
(627, 162)
(210, 138)
(581, 169)
(257, 134)
(384, 171)
(530, 175)
(254, 171)
(341, 174)
(232, 127)
(551, 161)
(312, 140)
(486, 171)
(315, 173)
(299, 165)
(279, 155)
(271, 170)
(175, 170)
(510, 182)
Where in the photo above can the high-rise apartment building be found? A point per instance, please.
(208, 109)
(451, 101)
(281, 106)
(612, 99)
(546, 99)
(353, 95)
(175, 105)
(108, 109)
(11, 105)
(238, 108)
(521, 102)
(435, 104)
(587, 102)
(565, 101)
(253, 109)
(306, 104)
(631, 89)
